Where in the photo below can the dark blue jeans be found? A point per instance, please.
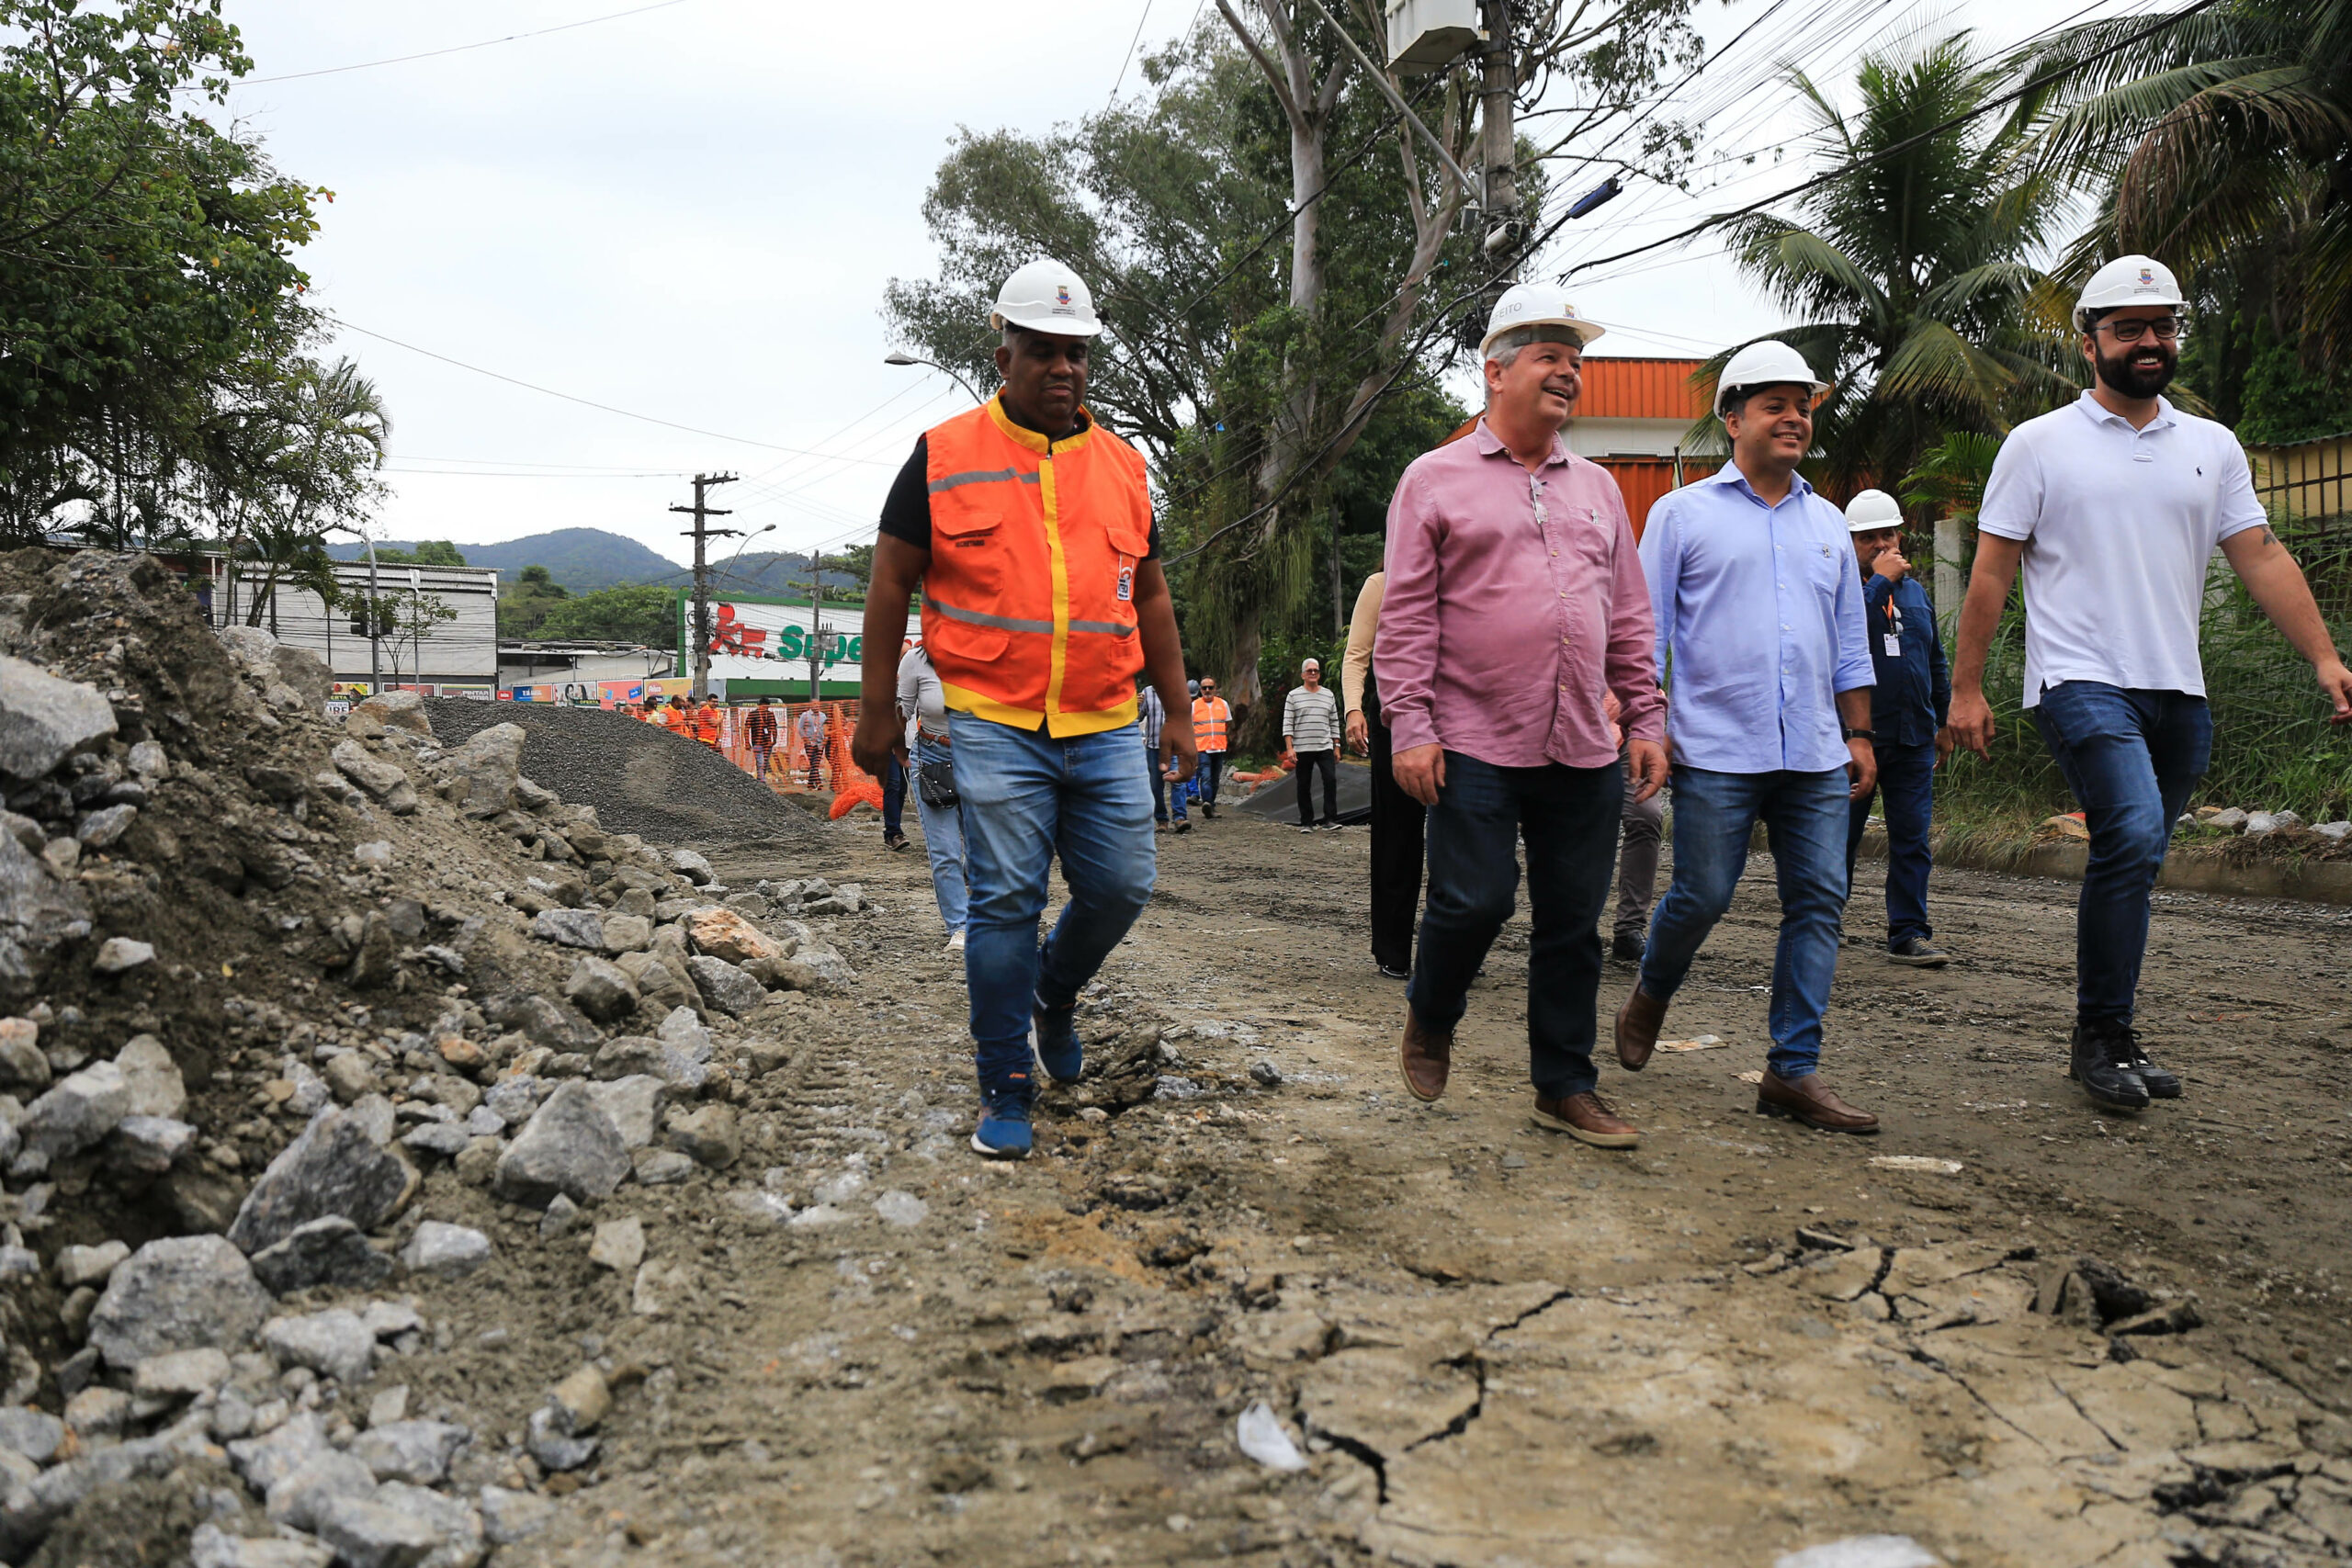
(1166, 792)
(1714, 815)
(894, 799)
(1029, 799)
(2130, 758)
(1568, 819)
(1907, 782)
(1212, 769)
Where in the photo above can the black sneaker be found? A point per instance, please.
(1390, 972)
(1625, 948)
(1306, 827)
(2162, 1082)
(1917, 953)
(2103, 1062)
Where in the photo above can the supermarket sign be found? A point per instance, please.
(787, 633)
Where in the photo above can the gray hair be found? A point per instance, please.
(1507, 347)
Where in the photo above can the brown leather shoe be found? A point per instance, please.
(1811, 1101)
(1637, 1026)
(1588, 1119)
(1425, 1054)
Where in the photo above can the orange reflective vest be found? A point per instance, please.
(706, 724)
(673, 718)
(1029, 605)
(1210, 715)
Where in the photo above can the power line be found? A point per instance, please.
(455, 49)
(1127, 58)
(585, 402)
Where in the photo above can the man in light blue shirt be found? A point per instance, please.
(1760, 632)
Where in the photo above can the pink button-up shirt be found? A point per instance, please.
(1515, 603)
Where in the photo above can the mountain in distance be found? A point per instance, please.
(583, 559)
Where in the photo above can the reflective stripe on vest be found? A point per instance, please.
(1035, 550)
(1209, 717)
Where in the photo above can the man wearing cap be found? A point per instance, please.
(1908, 733)
(1760, 630)
(2113, 506)
(1513, 606)
(1029, 529)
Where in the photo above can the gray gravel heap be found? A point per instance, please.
(641, 778)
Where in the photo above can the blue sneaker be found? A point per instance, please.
(1055, 1032)
(1004, 1132)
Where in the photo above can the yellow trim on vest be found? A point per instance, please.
(1022, 436)
(1063, 726)
(1057, 657)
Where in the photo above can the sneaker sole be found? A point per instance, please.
(1765, 1108)
(1598, 1140)
(989, 1151)
(1910, 963)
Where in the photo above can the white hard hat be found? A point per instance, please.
(1768, 362)
(1872, 509)
(1046, 297)
(2128, 280)
(1535, 305)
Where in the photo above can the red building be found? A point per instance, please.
(1634, 420)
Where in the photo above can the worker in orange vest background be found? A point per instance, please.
(676, 720)
(1210, 718)
(709, 722)
(1029, 529)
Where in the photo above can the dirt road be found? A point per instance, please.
(1498, 1347)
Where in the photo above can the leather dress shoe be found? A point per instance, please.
(1587, 1118)
(1425, 1054)
(1637, 1027)
(1811, 1101)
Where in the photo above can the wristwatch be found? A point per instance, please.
(1861, 735)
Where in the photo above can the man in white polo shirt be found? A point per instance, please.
(2114, 505)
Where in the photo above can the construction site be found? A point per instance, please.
(440, 1140)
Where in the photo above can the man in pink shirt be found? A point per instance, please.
(1515, 606)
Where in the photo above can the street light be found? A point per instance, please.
(900, 356)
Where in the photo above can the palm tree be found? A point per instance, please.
(1910, 273)
(2222, 144)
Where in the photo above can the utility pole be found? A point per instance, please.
(815, 617)
(1498, 144)
(701, 533)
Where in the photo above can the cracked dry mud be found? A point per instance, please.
(1499, 1348)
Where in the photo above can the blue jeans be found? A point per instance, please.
(1166, 794)
(1715, 815)
(1027, 796)
(2130, 758)
(1907, 781)
(894, 799)
(1568, 816)
(942, 841)
(1212, 769)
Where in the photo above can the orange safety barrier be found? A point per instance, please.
(794, 765)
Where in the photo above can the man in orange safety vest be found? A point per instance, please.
(1029, 529)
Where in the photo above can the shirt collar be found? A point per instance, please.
(1729, 474)
(2098, 414)
(1489, 444)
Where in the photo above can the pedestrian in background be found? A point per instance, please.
(1311, 736)
(2114, 505)
(1210, 721)
(759, 731)
(1029, 529)
(1760, 629)
(1641, 827)
(931, 757)
(1910, 706)
(1397, 818)
(1166, 799)
(812, 725)
(710, 722)
(1513, 603)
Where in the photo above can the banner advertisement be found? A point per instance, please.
(780, 635)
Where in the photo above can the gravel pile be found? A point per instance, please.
(639, 777)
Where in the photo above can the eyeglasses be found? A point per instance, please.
(2168, 329)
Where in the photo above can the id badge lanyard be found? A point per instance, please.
(1893, 636)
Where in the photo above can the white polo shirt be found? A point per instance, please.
(2119, 527)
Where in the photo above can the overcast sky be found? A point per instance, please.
(690, 213)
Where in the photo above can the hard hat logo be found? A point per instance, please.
(1062, 293)
(2147, 277)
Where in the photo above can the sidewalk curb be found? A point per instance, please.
(2191, 871)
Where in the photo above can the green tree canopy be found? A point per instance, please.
(638, 614)
(442, 552)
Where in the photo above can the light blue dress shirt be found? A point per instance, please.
(1759, 626)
